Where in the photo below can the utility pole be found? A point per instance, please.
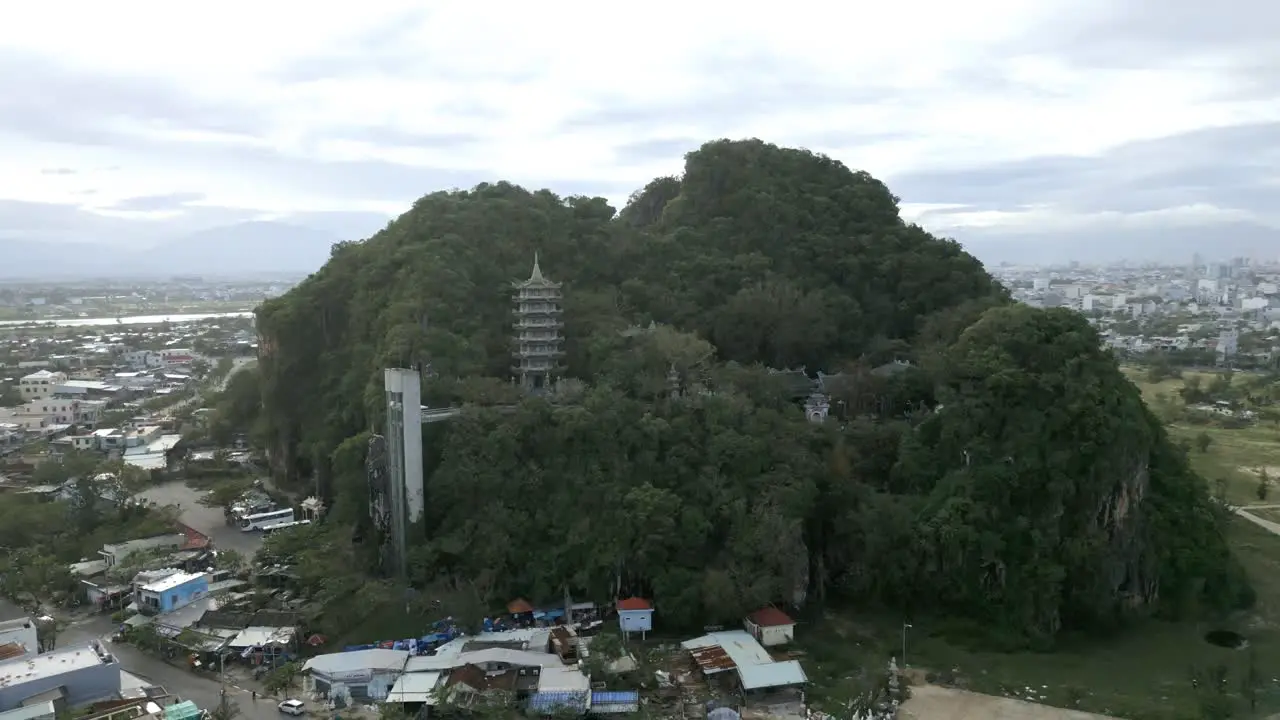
(905, 628)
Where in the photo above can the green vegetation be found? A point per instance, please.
(38, 539)
(1042, 499)
(1230, 452)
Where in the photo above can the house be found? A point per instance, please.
(514, 663)
(171, 593)
(69, 677)
(57, 410)
(108, 439)
(87, 389)
(21, 631)
(635, 615)
(359, 674)
(264, 644)
(735, 654)
(40, 384)
(134, 380)
(771, 627)
(116, 553)
(143, 359)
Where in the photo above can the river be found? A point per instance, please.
(128, 320)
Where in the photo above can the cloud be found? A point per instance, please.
(1000, 122)
(153, 203)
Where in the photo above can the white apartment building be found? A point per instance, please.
(40, 384)
(59, 411)
(143, 359)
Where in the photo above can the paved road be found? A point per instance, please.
(1271, 527)
(203, 688)
(210, 521)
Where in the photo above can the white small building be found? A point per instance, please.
(59, 410)
(360, 674)
(40, 384)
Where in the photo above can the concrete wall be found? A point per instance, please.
(83, 685)
(635, 620)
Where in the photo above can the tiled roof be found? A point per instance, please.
(634, 603)
(770, 617)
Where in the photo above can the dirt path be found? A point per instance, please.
(1273, 528)
(930, 702)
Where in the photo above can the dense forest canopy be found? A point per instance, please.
(982, 460)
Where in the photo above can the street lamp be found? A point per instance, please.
(905, 628)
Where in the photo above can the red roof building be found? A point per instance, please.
(634, 603)
(770, 617)
(519, 606)
(771, 627)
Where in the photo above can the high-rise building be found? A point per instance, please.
(539, 324)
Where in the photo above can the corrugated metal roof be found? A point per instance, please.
(550, 703)
(479, 657)
(415, 688)
(777, 674)
(613, 701)
(253, 636)
(736, 649)
(563, 678)
(372, 659)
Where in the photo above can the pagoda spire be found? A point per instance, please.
(536, 275)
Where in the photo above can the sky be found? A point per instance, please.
(1046, 128)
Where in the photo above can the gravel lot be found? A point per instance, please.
(930, 702)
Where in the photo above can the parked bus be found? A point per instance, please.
(284, 526)
(266, 519)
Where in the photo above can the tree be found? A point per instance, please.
(9, 396)
(282, 679)
(226, 493)
(231, 560)
(681, 466)
(1264, 484)
(1203, 441)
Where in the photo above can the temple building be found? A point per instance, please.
(539, 336)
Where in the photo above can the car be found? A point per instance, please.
(292, 707)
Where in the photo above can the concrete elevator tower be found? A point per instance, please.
(403, 459)
(539, 331)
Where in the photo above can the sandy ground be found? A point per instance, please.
(930, 702)
(1273, 471)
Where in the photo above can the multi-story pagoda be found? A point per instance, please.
(539, 325)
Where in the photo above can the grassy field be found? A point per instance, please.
(1234, 455)
(1144, 672)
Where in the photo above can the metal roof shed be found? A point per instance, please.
(772, 675)
(415, 688)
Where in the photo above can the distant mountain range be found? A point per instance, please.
(245, 249)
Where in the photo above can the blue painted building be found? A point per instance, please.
(170, 593)
(635, 615)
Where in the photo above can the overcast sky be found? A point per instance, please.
(1045, 123)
